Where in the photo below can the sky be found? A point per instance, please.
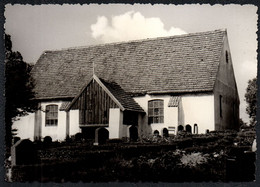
(34, 29)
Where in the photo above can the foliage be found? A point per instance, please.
(18, 87)
(195, 157)
(251, 100)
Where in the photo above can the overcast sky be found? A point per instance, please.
(34, 29)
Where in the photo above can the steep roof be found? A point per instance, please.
(117, 94)
(123, 98)
(185, 63)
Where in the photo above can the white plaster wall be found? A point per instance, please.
(55, 132)
(115, 123)
(199, 109)
(25, 126)
(170, 114)
(74, 122)
(192, 109)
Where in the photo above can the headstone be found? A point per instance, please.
(195, 129)
(188, 128)
(23, 152)
(165, 132)
(180, 128)
(156, 133)
(47, 140)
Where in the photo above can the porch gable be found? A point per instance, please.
(97, 97)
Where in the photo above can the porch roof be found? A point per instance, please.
(115, 92)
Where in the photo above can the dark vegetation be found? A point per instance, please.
(251, 100)
(216, 156)
(18, 89)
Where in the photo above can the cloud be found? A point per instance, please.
(130, 26)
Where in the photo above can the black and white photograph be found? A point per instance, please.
(99, 93)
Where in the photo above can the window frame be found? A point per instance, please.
(156, 111)
(51, 115)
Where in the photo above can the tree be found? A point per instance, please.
(19, 86)
(251, 100)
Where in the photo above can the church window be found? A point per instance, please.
(155, 111)
(51, 115)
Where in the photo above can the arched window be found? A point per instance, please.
(51, 115)
(155, 111)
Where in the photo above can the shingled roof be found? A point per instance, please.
(185, 63)
(123, 98)
(120, 97)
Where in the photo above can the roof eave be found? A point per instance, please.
(180, 92)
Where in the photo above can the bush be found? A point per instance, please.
(78, 137)
(184, 143)
(115, 140)
(193, 159)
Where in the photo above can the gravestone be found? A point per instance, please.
(195, 129)
(165, 132)
(180, 128)
(156, 133)
(47, 140)
(188, 128)
(23, 152)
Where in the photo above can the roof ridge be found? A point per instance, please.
(137, 40)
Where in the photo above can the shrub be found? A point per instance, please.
(115, 140)
(193, 159)
(78, 137)
(184, 143)
(68, 139)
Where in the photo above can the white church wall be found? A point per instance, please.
(74, 122)
(115, 121)
(199, 109)
(170, 114)
(192, 109)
